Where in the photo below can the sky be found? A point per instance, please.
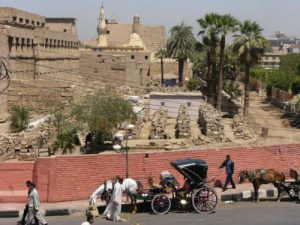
(272, 15)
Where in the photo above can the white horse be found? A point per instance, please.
(129, 186)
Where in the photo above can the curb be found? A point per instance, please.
(265, 194)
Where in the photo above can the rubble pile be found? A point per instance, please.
(183, 126)
(210, 121)
(25, 145)
(158, 124)
(242, 129)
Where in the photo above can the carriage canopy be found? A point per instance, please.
(194, 170)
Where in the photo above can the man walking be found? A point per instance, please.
(33, 206)
(229, 165)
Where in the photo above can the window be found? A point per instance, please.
(189, 104)
(38, 23)
(14, 18)
(162, 103)
(21, 20)
(43, 24)
(65, 30)
(27, 21)
(32, 23)
(132, 57)
(146, 57)
(10, 42)
(108, 32)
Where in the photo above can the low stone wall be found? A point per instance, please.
(24, 145)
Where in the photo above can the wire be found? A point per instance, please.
(4, 75)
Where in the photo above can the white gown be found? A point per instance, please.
(113, 209)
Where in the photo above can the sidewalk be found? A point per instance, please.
(243, 192)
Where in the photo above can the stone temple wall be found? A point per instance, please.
(42, 63)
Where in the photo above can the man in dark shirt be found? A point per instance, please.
(229, 165)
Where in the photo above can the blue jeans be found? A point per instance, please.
(229, 179)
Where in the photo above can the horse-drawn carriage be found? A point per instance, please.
(277, 178)
(195, 193)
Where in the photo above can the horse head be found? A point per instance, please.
(140, 187)
(294, 174)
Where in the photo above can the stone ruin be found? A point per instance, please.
(242, 129)
(210, 121)
(25, 145)
(158, 124)
(183, 126)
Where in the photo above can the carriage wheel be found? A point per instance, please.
(160, 204)
(205, 200)
(294, 191)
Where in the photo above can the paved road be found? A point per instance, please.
(263, 213)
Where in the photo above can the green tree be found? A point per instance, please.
(227, 24)
(66, 129)
(161, 54)
(295, 103)
(232, 88)
(180, 46)
(193, 84)
(19, 118)
(249, 46)
(103, 113)
(210, 27)
(290, 64)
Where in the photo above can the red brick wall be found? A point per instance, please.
(68, 178)
(13, 176)
(12, 181)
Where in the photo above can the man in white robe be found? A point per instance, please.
(114, 207)
(33, 207)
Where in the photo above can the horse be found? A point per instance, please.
(129, 186)
(262, 176)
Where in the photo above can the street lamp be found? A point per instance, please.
(118, 146)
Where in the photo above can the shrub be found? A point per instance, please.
(19, 118)
(193, 84)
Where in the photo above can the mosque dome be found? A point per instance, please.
(135, 41)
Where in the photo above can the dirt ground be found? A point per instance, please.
(265, 115)
(262, 115)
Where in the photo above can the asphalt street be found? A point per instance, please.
(245, 213)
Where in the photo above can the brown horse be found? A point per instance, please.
(262, 176)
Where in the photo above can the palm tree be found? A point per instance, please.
(210, 24)
(204, 48)
(180, 46)
(249, 46)
(227, 24)
(161, 54)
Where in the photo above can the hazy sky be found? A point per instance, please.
(272, 15)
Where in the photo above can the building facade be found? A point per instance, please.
(41, 54)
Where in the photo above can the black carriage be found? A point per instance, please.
(293, 187)
(196, 193)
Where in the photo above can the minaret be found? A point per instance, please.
(102, 29)
(136, 23)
